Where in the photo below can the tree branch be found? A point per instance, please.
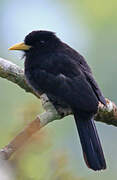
(15, 74)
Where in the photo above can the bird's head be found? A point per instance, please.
(38, 40)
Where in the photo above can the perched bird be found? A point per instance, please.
(54, 68)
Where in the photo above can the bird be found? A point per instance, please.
(56, 69)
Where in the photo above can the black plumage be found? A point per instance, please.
(54, 68)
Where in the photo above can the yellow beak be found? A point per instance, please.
(20, 46)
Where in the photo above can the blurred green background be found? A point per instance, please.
(89, 26)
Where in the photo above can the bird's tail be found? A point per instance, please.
(91, 146)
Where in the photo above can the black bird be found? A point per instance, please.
(54, 68)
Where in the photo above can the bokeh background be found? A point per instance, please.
(89, 26)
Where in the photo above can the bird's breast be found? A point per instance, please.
(30, 70)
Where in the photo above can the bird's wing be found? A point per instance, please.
(76, 91)
(87, 71)
(80, 60)
(95, 87)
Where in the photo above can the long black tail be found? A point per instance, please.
(91, 146)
